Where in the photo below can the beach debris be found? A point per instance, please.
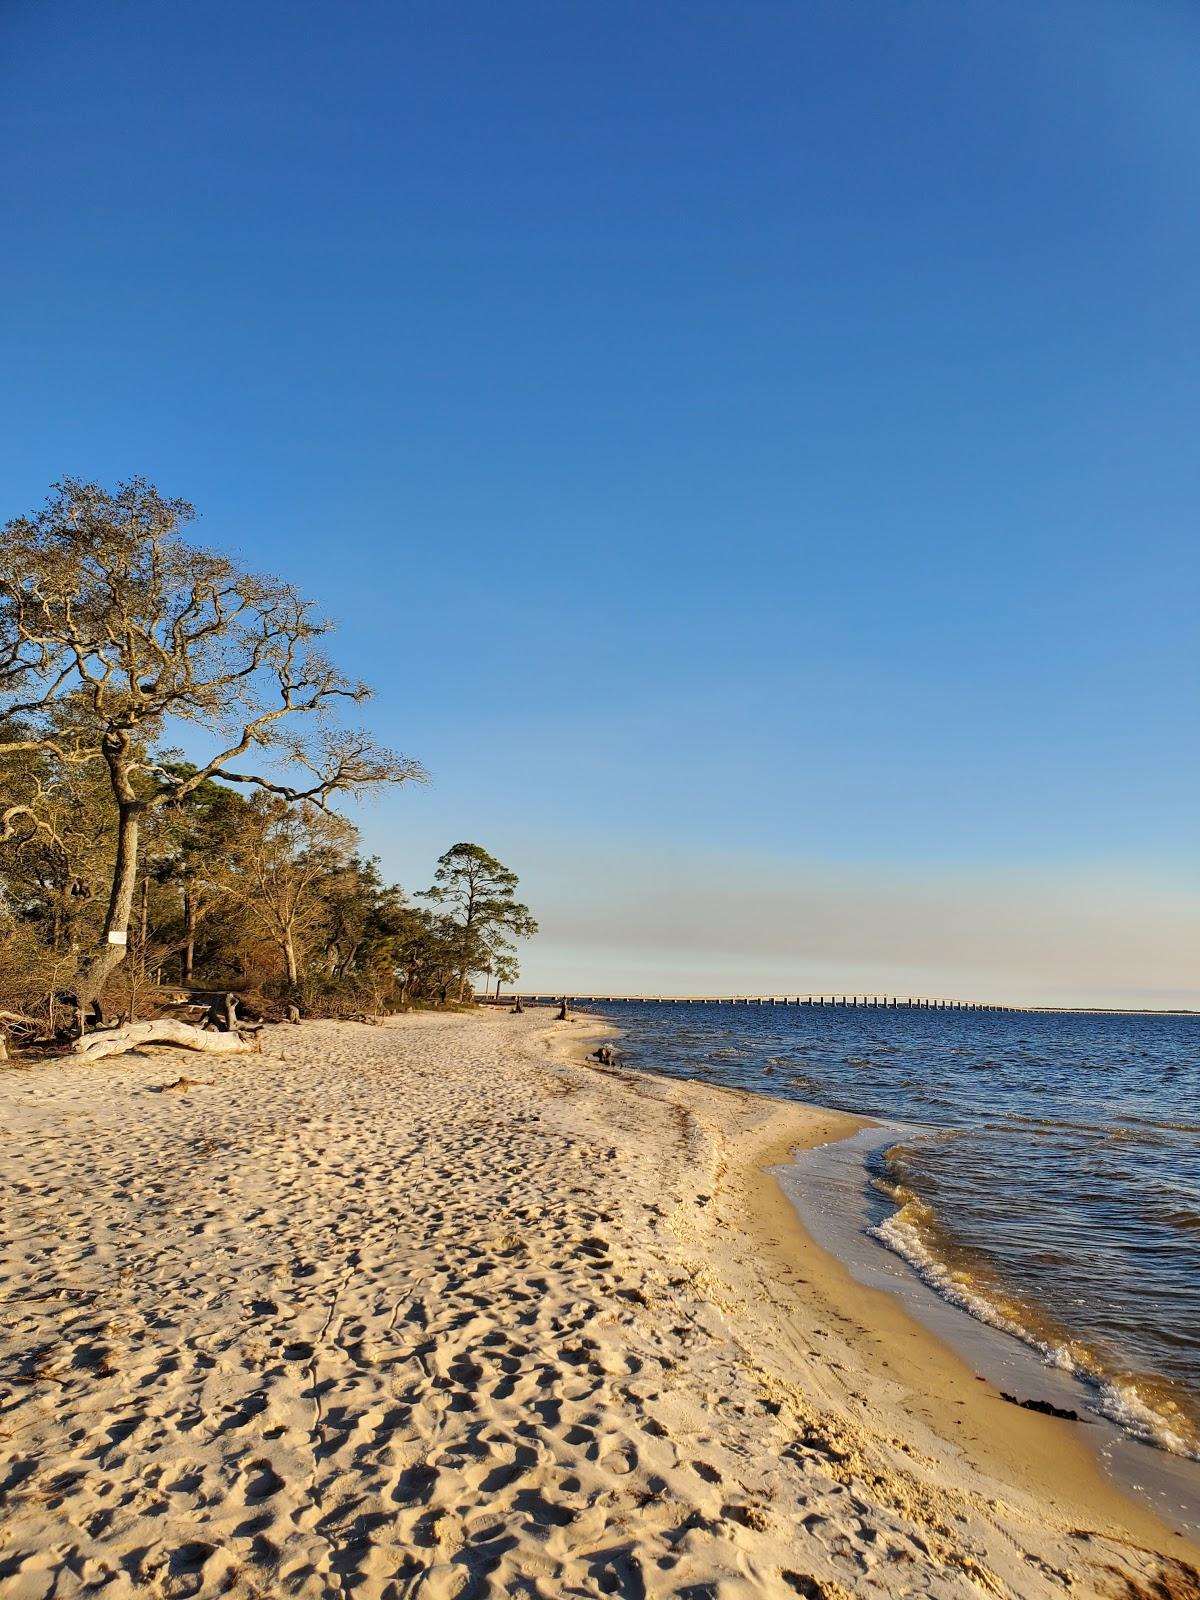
(163, 1030)
(563, 1013)
(1044, 1408)
(20, 1031)
(605, 1055)
(223, 1013)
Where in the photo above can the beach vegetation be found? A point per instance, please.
(479, 894)
(172, 745)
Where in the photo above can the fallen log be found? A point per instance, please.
(18, 1019)
(163, 1030)
(189, 1008)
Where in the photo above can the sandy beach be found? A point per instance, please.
(437, 1308)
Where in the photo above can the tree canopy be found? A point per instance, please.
(480, 893)
(115, 631)
(120, 642)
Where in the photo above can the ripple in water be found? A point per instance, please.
(1056, 1193)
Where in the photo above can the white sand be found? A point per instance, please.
(420, 1310)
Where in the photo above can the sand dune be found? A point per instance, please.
(423, 1310)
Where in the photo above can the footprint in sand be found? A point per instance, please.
(262, 1481)
(620, 1462)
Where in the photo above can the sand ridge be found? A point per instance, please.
(426, 1310)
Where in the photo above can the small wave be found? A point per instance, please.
(1150, 1138)
(903, 1233)
(1121, 1399)
(1181, 1218)
(1165, 1124)
(1121, 1402)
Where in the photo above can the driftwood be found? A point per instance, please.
(164, 1030)
(19, 1030)
(220, 1012)
(17, 1019)
(563, 1014)
(189, 1010)
(223, 1013)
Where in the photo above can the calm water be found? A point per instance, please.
(1047, 1177)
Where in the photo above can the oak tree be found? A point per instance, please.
(116, 631)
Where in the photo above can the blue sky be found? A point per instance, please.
(749, 447)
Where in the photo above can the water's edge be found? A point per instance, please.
(829, 1188)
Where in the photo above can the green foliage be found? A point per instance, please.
(261, 895)
(115, 632)
(480, 894)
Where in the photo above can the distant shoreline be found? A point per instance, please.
(544, 997)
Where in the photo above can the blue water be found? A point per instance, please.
(1047, 1178)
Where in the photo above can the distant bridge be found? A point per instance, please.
(891, 1002)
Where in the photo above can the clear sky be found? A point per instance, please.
(752, 448)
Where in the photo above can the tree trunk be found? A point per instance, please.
(144, 924)
(165, 1030)
(289, 956)
(187, 957)
(98, 968)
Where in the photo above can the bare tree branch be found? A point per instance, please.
(112, 627)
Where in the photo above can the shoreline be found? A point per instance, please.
(440, 1308)
(1043, 1456)
(960, 1416)
(830, 1186)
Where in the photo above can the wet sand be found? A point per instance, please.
(434, 1309)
